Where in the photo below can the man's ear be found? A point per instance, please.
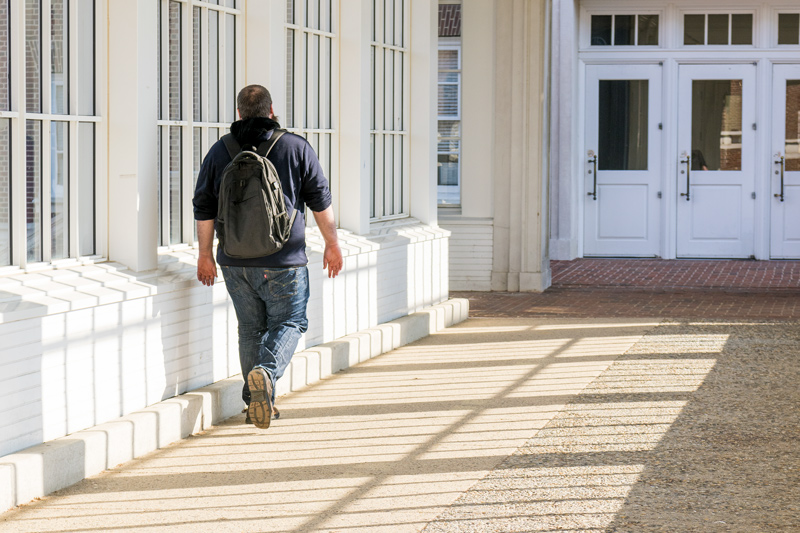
(271, 112)
(239, 113)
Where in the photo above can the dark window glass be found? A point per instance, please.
(601, 30)
(717, 125)
(742, 29)
(624, 30)
(792, 142)
(789, 28)
(5, 65)
(648, 30)
(694, 29)
(718, 29)
(623, 127)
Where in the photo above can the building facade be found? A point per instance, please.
(106, 111)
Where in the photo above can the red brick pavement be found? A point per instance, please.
(761, 290)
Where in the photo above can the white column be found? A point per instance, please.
(354, 114)
(423, 110)
(521, 262)
(132, 133)
(477, 107)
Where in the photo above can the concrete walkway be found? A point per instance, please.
(500, 424)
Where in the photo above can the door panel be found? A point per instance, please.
(716, 181)
(785, 171)
(622, 206)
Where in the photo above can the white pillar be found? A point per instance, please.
(423, 109)
(354, 115)
(132, 133)
(521, 260)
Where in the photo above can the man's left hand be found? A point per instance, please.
(332, 260)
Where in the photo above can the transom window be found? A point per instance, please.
(310, 41)
(49, 127)
(718, 29)
(789, 28)
(389, 131)
(624, 30)
(187, 127)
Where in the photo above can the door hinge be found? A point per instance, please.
(753, 196)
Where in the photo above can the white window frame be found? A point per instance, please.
(394, 192)
(442, 189)
(777, 12)
(307, 86)
(187, 123)
(18, 116)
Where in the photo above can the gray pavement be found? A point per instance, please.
(493, 425)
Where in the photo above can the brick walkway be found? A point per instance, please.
(768, 290)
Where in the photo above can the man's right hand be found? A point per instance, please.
(206, 270)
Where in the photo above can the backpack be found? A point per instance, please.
(251, 218)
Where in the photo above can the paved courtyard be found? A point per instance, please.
(572, 410)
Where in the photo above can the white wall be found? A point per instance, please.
(84, 343)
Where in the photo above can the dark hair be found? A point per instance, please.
(254, 101)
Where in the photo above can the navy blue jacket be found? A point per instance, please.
(302, 179)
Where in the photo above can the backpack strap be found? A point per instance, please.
(266, 147)
(231, 144)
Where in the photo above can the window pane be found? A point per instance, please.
(197, 159)
(718, 29)
(326, 102)
(174, 60)
(601, 30)
(86, 57)
(789, 28)
(86, 188)
(33, 189)
(792, 150)
(741, 29)
(449, 128)
(623, 124)
(717, 125)
(623, 29)
(5, 65)
(448, 60)
(448, 100)
(59, 189)
(59, 50)
(213, 66)
(196, 65)
(33, 56)
(648, 30)
(213, 136)
(290, 78)
(447, 166)
(175, 168)
(5, 192)
(290, 11)
(694, 29)
(230, 67)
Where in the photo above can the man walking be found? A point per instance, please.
(269, 293)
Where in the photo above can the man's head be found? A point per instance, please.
(254, 101)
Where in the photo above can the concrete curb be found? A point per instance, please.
(45, 468)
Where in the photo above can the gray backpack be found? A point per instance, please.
(252, 220)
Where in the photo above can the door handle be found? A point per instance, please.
(782, 163)
(688, 162)
(593, 194)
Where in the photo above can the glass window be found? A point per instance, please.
(716, 125)
(309, 102)
(86, 188)
(389, 136)
(623, 124)
(718, 29)
(33, 189)
(5, 192)
(59, 57)
(792, 132)
(59, 190)
(33, 56)
(5, 58)
(624, 30)
(789, 28)
(85, 71)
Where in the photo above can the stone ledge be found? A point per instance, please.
(54, 465)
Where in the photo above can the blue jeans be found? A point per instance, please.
(270, 306)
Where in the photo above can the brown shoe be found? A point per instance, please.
(275, 414)
(260, 409)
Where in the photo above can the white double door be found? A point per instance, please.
(630, 204)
